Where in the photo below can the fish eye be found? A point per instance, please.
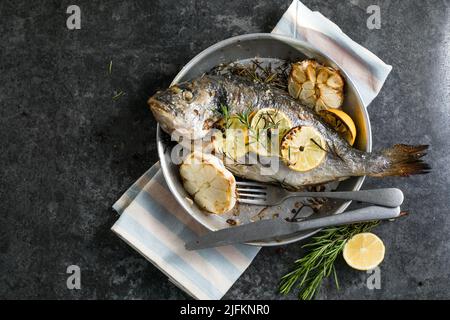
(187, 95)
(175, 89)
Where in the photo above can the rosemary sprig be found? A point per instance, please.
(318, 263)
(328, 150)
(225, 111)
(255, 71)
(244, 117)
(227, 155)
(118, 95)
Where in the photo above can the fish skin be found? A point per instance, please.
(191, 108)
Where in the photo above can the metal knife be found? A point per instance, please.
(270, 228)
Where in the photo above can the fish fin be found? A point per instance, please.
(404, 160)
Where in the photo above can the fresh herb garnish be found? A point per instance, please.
(328, 150)
(225, 111)
(256, 72)
(310, 270)
(244, 117)
(317, 144)
(235, 161)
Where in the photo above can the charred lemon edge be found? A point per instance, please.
(345, 119)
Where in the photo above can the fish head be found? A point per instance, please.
(189, 108)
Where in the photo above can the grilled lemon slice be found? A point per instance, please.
(364, 251)
(231, 138)
(303, 148)
(267, 128)
(341, 123)
(211, 185)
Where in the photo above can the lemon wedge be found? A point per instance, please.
(266, 125)
(341, 122)
(303, 148)
(231, 138)
(364, 251)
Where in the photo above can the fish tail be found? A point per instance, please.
(403, 160)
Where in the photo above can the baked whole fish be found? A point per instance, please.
(192, 108)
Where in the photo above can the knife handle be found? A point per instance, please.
(359, 215)
(388, 197)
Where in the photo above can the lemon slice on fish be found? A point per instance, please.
(265, 126)
(364, 251)
(341, 122)
(303, 148)
(231, 138)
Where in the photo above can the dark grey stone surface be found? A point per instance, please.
(68, 150)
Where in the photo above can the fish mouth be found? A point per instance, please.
(155, 104)
(168, 121)
(164, 117)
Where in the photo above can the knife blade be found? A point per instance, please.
(271, 228)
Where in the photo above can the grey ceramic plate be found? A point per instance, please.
(274, 48)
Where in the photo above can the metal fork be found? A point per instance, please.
(267, 195)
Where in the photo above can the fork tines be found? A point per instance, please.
(251, 192)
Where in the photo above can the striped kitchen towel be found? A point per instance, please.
(152, 222)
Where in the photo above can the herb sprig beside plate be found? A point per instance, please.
(310, 270)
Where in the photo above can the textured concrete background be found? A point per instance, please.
(68, 150)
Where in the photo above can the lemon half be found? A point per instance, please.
(341, 122)
(303, 148)
(364, 251)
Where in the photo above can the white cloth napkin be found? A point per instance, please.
(152, 222)
(367, 71)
